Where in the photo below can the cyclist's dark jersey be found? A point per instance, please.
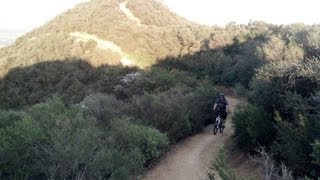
(221, 105)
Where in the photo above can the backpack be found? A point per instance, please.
(221, 105)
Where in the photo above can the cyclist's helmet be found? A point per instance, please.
(221, 95)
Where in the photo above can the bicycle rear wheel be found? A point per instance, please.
(221, 127)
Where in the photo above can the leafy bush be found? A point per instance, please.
(8, 118)
(316, 152)
(103, 107)
(162, 110)
(17, 155)
(291, 146)
(252, 127)
(167, 111)
(153, 81)
(149, 140)
(53, 140)
(71, 79)
(178, 111)
(294, 143)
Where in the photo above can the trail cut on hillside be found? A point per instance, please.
(105, 45)
(191, 158)
(123, 7)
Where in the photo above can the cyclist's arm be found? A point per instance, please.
(214, 107)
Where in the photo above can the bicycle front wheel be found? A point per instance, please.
(215, 128)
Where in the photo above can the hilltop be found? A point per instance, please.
(108, 32)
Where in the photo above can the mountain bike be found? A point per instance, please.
(218, 124)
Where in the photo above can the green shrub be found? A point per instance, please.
(150, 141)
(252, 127)
(8, 118)
(71, 79)
(103, 107)
(53, 140)
(263, 93)
(17, 149)
(124, 162)
(178, 111)
(202, 104)
(316, 152)
(296, 143)
(291, 146)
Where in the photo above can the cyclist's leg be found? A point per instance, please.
(224, 117)
(215, 115)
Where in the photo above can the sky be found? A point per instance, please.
(221, 12)
(28, 14)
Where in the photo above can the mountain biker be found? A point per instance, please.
(221, 107)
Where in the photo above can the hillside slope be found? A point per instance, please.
(108, 32)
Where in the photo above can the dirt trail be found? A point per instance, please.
(191, 158)
(128, 13)
(103, 44)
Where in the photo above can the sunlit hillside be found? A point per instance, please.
(108, 32)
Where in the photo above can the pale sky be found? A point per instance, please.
(221, 12)
(28, 14)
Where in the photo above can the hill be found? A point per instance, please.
(105, 35)
(108, 32)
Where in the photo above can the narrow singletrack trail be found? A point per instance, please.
(191, 158)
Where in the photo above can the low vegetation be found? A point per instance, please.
(221, 169)
(53, 140)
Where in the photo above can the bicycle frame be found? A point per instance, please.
(218, 120)
(217, 124)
